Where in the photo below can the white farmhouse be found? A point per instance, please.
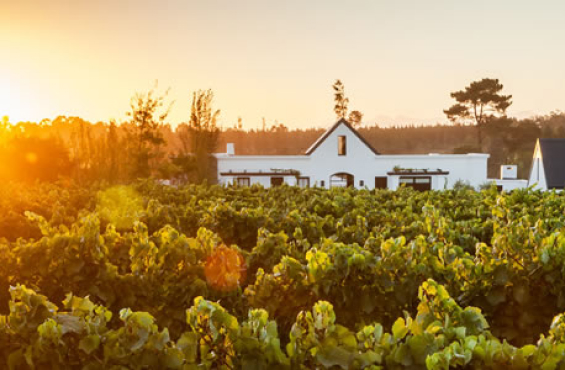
(342, 157)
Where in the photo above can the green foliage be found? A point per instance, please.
(199, 138)
(148, 116)
(120, 205)
(462, 186)
(338, 278)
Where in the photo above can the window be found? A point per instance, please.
(361, 183)
(243, 181)
(322, 183)
(304, 182)
(422, 183)
(277, 181)
(381, 183)
(341, 145)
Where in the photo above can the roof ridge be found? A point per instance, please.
(329, 131)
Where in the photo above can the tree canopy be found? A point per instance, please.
(341, 102)
(479, 102)
(341, 105)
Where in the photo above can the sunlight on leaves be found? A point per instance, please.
(120, 205)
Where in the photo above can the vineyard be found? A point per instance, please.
(209, 277)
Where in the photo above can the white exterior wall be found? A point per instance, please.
(360, 161)
(471, 168)
(511, 184)
(253, 164)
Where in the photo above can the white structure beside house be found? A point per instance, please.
(342, 157)
(548, 165)
(509, 178)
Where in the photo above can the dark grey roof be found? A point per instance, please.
(342, 121)
(553, 155)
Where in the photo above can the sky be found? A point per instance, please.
(277, 60)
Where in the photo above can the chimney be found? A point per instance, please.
(509, 172)
(230, 150)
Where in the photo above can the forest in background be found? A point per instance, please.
(73, 147)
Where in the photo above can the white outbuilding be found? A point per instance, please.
(342, 157)
(548, 165)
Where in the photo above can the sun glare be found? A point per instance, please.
(14, 102)
(31, 157)
(10, 105)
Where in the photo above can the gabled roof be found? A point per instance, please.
(553, 156)
(326, 134)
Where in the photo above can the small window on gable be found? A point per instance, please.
(322, 183)
(341, 145)
(361, 183)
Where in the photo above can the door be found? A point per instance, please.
(381, 182)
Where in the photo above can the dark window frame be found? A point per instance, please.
(243, 179)
(342, 145)
(276, 181)
(420, 186)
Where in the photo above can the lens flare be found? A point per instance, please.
(31, 157)
(120, 206)
(225, 269)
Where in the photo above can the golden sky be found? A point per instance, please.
(399, 60)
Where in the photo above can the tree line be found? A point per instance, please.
(143, 146)
(146, 145)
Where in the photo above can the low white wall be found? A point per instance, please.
(471, 168)
(510, 184)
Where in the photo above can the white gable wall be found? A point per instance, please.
(356, 148)
(537, 173)
(358, 161)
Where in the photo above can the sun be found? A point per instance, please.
(11, 105)
(15, 102)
